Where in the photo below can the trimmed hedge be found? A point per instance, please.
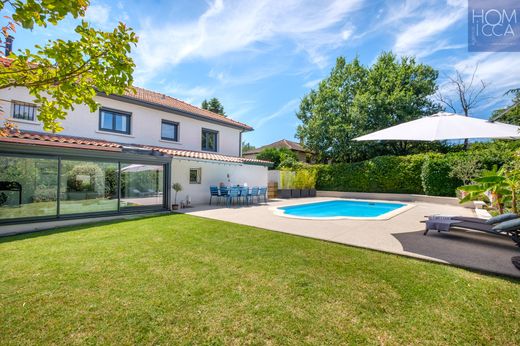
(397, 174)
(417, 174)
(435, 176)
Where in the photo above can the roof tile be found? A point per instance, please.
(38, 138)
(153, 97)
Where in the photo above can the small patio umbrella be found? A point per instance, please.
(444, 126)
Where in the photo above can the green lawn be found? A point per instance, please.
(182, 279)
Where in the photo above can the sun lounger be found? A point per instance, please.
(509, 228)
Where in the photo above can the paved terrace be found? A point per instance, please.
(402, 234)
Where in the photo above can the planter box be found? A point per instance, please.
(312, 193)
(304, 193)
(284, 193)
(295, 193)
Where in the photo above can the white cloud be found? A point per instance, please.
(312, 83)
(289, 107)
(225, 77)
(425, 37)
(98, 14)
(238, 25)
(499, 71)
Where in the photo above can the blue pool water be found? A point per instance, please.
(341, 208)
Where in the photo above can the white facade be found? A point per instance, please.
(213, 173)
(145, 125)
(146, 129)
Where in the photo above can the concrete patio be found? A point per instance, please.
(402, 234)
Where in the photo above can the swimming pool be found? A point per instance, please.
(344, 209)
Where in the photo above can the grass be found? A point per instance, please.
(186, 280)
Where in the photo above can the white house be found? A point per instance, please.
(121, 159)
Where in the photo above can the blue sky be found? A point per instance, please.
(260, 57)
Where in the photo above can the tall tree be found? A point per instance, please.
(462, 94)
(355, 99)
(62, 73)
(213, 105)
(510, 114)
(246, 146)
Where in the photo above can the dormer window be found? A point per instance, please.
(114, 121)
(23, 110)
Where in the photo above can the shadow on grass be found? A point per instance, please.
(79, 227)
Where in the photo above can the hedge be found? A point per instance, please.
(435, 176)
(417, 174)
(397, 174)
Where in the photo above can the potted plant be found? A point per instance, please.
(311, 183)
(301, 182)
(286, 183)
(177, 187)
(296, 188)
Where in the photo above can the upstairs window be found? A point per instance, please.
(23, 110)
(170, 131)
(114, 121)
(209, 140)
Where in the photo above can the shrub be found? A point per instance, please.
(305, 178)
(397, 174)
(431, 174)
(436, 176)
(43, 193)
(277, 156)
(287, 179)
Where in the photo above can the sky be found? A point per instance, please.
(260, 57)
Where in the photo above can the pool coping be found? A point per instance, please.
(386, 216)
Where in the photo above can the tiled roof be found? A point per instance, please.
(207, 156)
(37, 138)
(46, 139)
(156, 98)
(159, 99)
(284, 143)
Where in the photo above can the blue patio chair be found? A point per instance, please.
(244, 195)
(224, 191)
(262, 193)
(213, 192)
(253, 193)
(234, 193)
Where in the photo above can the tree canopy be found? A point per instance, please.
(213, 105)
(510, 114)
(246, 146)
(355, 99)
(280, 157)
(60, 74)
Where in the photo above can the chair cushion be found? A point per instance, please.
(506, 226)
(501, 218)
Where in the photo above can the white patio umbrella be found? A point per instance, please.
(444, 126)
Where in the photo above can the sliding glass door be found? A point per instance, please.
(50, 187)
(88, 187)
(141, 185)
(28, 187)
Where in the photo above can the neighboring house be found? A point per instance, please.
(121, 159)
(303, 154)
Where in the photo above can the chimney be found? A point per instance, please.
(8, 45)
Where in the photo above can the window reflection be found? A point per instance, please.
(88, 186)
(28, 187)
(141, 185)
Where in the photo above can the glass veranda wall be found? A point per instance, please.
(52, 187)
